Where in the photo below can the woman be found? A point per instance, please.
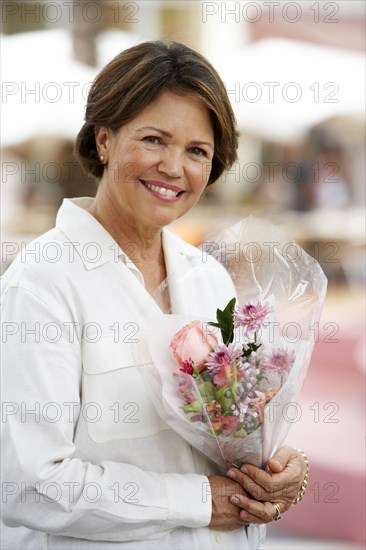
(87, 461)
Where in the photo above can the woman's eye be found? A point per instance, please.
(151, 139)
(198, 151)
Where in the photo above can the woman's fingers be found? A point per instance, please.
(269, 488)
(257, 482)
(282, 456)
(254, 511)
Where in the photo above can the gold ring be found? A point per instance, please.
(277, 515)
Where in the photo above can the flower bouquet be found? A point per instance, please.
(226, 386)
(229, 386)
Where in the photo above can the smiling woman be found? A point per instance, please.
(170, 173)
(158, 129)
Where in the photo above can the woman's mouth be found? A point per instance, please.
(165, 191)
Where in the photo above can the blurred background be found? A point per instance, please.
(295, 73)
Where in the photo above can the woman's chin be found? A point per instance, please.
(162, 218)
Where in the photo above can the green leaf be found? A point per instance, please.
(225, 397)
(240, 433)
(195, 406)
(207, 391)
(225, 322)
(196, 372)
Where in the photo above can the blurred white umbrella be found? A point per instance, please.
(111, 42)
(279, 88)
(44, 90)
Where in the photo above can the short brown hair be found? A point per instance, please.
(136, 77)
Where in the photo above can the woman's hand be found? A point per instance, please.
(225, 515)
(280, 484)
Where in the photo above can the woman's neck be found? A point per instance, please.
(142, 245)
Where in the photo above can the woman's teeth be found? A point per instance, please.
(162, 190)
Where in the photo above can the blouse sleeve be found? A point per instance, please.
(45, 487)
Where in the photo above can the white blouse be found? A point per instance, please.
(86, 460)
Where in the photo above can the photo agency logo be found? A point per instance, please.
(69, 411)
(54, 252)
(69, 492)
(253, 252)
(290, 172)
(270, 12)
(54, 13)
(325, 492)
(68, 331)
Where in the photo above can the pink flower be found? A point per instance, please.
(223, 355)
(278, 360)
(258, 403)
(192, 344)
(223, 376)
(186, 389)
(186, 367)
(226, 424)
(251, 316)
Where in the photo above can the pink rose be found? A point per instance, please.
(191, 343)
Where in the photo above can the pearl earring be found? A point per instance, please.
(101, 158)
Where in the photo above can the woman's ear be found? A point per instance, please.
(103, 141)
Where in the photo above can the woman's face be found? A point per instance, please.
(158, 164)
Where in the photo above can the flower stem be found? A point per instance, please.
(234, 383)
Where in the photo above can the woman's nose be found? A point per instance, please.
(171, 163)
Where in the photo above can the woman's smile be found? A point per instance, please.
(163, 191)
